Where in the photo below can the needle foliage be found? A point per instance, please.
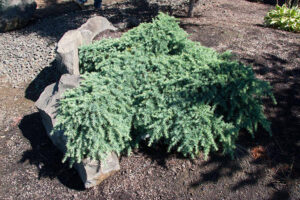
(154, 83)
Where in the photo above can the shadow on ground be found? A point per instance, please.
(46, 77)
(44, 155)
(281, 151)
(55, 23)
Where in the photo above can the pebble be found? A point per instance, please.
(25, 52)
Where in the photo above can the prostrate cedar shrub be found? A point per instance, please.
(284, 18)
(154, 83)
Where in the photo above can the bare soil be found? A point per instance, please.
(265, 167)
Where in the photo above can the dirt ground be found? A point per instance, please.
(265, 167)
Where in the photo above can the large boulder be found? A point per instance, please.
(91, 172)
(15, 13)
(67, 47)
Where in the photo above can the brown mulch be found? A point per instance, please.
(265, 167)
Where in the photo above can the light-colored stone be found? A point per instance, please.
(67, 48)
(91, 172)
(67, 52)
(15, 13)
(96, 25)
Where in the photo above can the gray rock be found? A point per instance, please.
(128, 23)
(15, 13)
(47, 106)
(91, 172)
(122, 25)
(67, 52)
(67, 47)
(96, 25)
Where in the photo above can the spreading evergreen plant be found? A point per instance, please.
(155, 84)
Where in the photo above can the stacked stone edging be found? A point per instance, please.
(92, 172)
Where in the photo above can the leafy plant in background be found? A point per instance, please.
(154, 83)
(289, 3)
(284, 18)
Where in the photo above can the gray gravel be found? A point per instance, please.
(24, 53)
(23, 56)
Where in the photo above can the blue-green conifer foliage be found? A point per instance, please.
(155, 83)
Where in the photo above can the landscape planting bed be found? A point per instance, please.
(266, 167)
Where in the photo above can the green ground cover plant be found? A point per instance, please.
(155, 84)
(284, 18)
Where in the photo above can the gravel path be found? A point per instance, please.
(24, 53)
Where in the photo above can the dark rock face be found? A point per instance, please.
(15, 14)
(92, 172)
